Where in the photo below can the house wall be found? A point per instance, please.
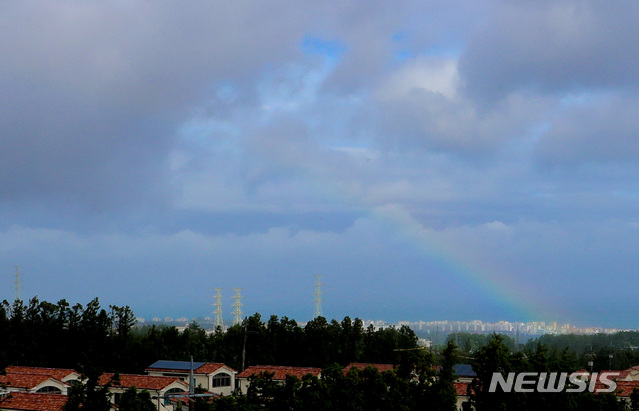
(243, 384)
(160, 403)
(461, 399)
(206, 381)
(222, 390)
(155, 394)
(48, 383)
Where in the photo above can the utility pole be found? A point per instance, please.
(191, 379)
(237, 306)
(219, 321)
(318, 296)
(244, 345)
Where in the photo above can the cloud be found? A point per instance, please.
(553, 47)
(600, 132)
(422, 105)
(94, 94)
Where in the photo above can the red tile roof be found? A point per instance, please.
(624, 388)
(362, 366)
(57, 373)
(618, 375)
(143, 382)
(461, 388)
(33, 402)
(20, 380)
(211, 367)
(279, 372)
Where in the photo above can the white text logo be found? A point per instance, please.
(553, 382)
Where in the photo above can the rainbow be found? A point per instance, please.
(472, 268)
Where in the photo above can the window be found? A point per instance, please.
(50, 390)
(221, 380)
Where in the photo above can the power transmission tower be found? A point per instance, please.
(17, 285)
(237, 306)
(318, 296)
(219, 322)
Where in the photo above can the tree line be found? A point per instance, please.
(618, 351)
(90, 337)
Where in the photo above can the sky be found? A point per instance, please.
(431, 160)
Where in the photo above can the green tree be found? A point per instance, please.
(134, 400)
(445, 395)
(493, 358)
(88, 396)
(634, 400)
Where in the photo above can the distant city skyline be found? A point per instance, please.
(431, 328)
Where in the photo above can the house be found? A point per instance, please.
(464, 372)
(160, 388)
(461, 389)
(629, 374)
(32, 383)
(464, 375)
(32, 401)
(214, 377)
(65, 375)
(279, 373)
(362, 366)
(623, 391)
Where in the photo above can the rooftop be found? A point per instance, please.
(57, 373)
(143, 382)
(279, 372)
(185, 366)
(22, 380)
(33, 402)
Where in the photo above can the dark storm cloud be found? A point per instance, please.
(92, 93)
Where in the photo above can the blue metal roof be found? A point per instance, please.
(465, 370)
(176, 365)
